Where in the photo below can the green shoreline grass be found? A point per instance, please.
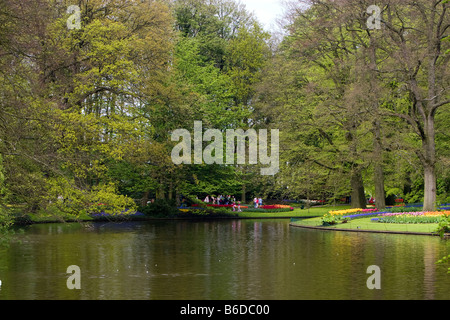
(296, 213)
(365, 224)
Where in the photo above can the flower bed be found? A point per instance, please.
(355, 213)
(392, 216)
(345, 211)
(270, 208)
(220, 205)
(266, 210)
(412, 217)
(276, 206)
(362, 215)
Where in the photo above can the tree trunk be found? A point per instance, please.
(380, 195)
(144, 199)
(358, 195)
(378, 179)
(429, 203)
(160, 194)
(170, 194)
(243, 194)
(429, 165)
(177, 197)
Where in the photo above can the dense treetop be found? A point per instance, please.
(86, 113)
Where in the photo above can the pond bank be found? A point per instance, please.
(29, 219)
(366, 225)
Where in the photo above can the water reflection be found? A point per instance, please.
(225, 259)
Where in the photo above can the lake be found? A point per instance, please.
(225, 259)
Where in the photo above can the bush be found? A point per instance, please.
(329, 220)
(207, 212)
(443, 226)
(159, 208)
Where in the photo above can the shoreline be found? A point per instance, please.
(205, 218)
(299, 218)
(131, 219)
(327, 228)
(291, 224)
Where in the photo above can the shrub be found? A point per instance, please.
(208, 212)
(329, 220)
(443, 226)
(159, 208)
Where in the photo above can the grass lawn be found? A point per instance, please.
(366, 224)
(296, 213)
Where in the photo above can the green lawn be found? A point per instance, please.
(367, 224)
(296, 213)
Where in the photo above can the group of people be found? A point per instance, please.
(257, 202)
(224, 200)
(220, 199)
(230, 200)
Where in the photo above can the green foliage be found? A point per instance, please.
(6, 233)
(443, 227)
(210, 89)
(330, 220)
(132, 179)
(159, 208)
(244, 65)
(2, 182)
(86, 115)
(208, 212)
(64, 196)
(162, 208)
(105, 198)
(6, 219)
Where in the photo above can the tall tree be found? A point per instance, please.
(83, 91)
(416, 30)
(329, 113)
(409, 36)
(219, 58)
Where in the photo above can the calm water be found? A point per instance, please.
(229, 259)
